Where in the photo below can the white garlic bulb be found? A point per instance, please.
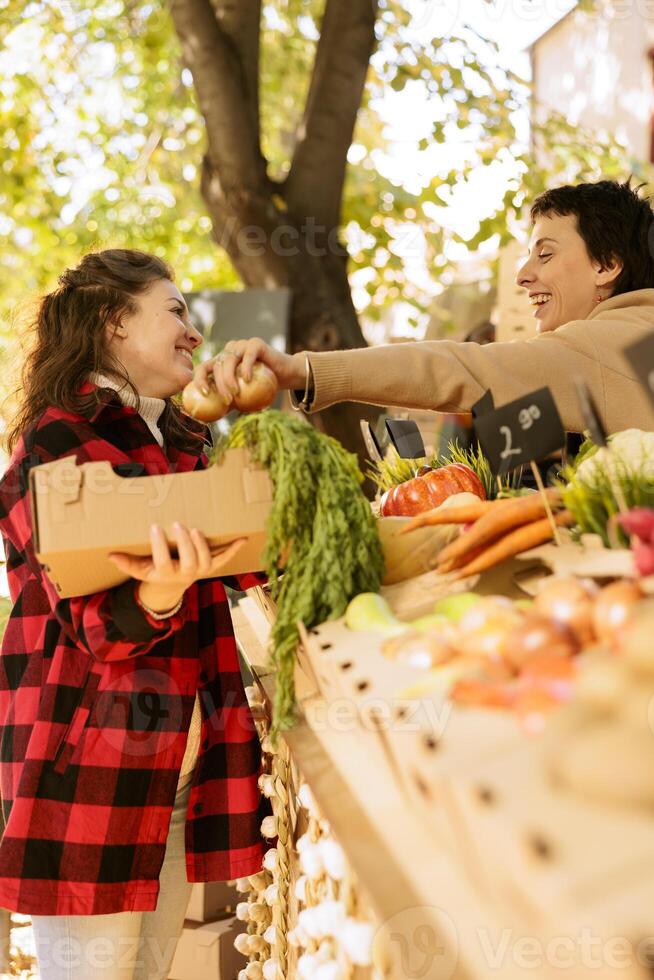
(258, 944)
(270, 969)
(323, 919)
(271, 894)
(271, 860)
(267, 745)
(267, 784)
(307, 966)
(258, 881)
(253, 971)
(329, 971)
(243, 911)
(311, 861)
(258, 911)
(253, 694)
(301, 888)
(356, 939)
(242, 975)
(333, 858)
(242, 944)
(242, 885)
(305, 796)
(269, 827)
(270, 935)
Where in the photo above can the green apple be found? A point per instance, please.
(454, 607)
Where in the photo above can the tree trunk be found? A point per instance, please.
(284, 234)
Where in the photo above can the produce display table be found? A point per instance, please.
(422, 839)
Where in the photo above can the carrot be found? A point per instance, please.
(505, 515)
(443, 568)
(514, 543)
(463, 514)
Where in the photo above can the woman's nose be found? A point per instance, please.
(195, 336)
(524, 275)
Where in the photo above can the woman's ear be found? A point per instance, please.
(115, 329)
(606, 274)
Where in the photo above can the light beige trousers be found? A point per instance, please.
(124, 945)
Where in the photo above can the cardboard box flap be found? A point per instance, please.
(256, 486)
(81, 512)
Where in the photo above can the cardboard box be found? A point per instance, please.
(206, 952)
(80, 513)
(209, 900)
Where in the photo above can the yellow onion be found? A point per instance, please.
(204, 408)
(569, 600)
(613, 607)
(536, 635)
(257, 393)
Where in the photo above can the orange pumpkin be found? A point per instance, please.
(426, 492)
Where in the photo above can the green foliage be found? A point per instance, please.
(321, 534)
(592, 483)
(105, 144)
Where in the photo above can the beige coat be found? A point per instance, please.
(449, 377)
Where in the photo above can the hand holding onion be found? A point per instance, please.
(252, 396)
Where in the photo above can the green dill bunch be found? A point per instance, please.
(321, 534)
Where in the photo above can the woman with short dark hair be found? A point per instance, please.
(590, 278)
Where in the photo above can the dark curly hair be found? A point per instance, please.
(615, 222)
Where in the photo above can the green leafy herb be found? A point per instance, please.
(589, 482)
(321, 534)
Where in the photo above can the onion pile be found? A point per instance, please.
(252, 396)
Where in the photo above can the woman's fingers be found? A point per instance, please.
(186, 551)
(196, 559)
(131, 565)
(202, 550)
(219, 558)
(203, 376)
(163, 563)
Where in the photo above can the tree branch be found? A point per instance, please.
(240, 22)
(315, 182)
(222, 91)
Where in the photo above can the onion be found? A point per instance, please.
(532, 708)
(613, 607)
(555, 675)
(419, 650)
(634, 642)
(484, 629)
(205, 408)
(257, 393)
(536, 635)
(570, 601)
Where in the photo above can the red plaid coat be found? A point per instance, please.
(95, 703)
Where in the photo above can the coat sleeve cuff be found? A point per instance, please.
(331, 378)
(134, 622)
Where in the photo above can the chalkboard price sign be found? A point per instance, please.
(641, 357)
(405, 436)
(484, 405)
(592, 420)
(526, 429)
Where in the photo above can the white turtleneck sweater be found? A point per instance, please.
(150, 410)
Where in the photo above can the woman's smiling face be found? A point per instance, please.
(563, 282)
(155, 344)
